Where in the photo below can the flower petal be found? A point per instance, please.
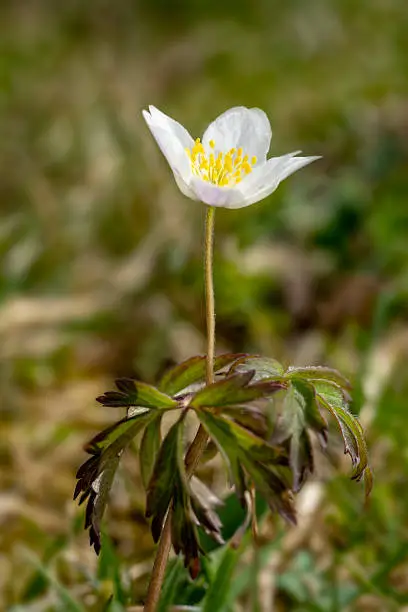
(184, 187)
(274, 171)
(214, 195)
(294, 164)
(248, 128)
(172, 139)
(263, 174)
(172, 126)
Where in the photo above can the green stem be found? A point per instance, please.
(200, 441)
(209, 291)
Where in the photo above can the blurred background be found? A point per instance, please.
(101, 275)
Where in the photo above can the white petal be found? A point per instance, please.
(265, 174)
(279, 169)
(172, 139)
(294, 164)
(169, 124)
(184, 187)
(248, 128)
(214, 195)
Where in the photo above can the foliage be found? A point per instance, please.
(267, 448)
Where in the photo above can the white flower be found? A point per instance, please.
(228, 167)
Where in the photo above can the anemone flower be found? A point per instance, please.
(228, 166)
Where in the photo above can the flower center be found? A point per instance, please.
(225, 169)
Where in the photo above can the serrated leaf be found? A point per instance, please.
(273, 483)
(108, 436)
(264, 367)
(97, 502)
(227, 433)
(184, 534)
(192, 371)
(227, 449)
(332, 393)
(136, 393)
(301, 459)
(169, 487)
(95, 476)
(249, 417)
(315, 373)
(161, 486)
(233, 390)
(262, 461)
(313, 418)
(149, 449)
(354, 443)
(291, 426)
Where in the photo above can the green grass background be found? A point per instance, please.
(101, 275)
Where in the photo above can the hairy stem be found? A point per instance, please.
(200, 441)
(209, 291)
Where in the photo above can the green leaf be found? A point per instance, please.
(98, 499)
(264, 463)
(220, 393)
(229, 434)
(161, 486)
(233, 390)
(315, 373)
(149, 449)
(95, 476)
(249, 417)
(313, 417)
(300, 412)
(184, 535)
(273, 483)
(189, 504)
(135, 393)
(331, 392)
(353, 435)
(128, 427)
(264, 367)
(192, 371)
(226, 443)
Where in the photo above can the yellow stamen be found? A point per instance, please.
(225, 169)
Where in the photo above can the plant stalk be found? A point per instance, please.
(200, 441)
(209, 291)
